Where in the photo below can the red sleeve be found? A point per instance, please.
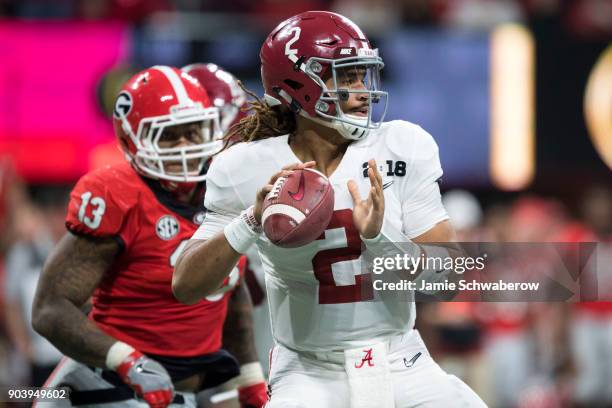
(99, 207)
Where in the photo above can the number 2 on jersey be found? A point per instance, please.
(329, 292)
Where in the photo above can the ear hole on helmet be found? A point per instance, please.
(307, 98)
(293, 84)
(330, 43)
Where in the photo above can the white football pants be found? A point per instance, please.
(339, 380)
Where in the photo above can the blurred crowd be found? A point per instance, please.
(514, 354)
(583, 17)
(529, 354)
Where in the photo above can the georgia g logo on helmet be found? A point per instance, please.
(123, 105)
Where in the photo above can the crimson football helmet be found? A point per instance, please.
(153, 100)
(223, 90)
(304, 51)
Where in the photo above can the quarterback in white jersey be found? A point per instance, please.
(318, 297)
(339, 342)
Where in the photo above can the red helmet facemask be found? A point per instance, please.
(154, 100)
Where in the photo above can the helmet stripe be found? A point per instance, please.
(177, 84)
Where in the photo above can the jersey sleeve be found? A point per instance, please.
(98, 208)
(223, 199)
(422, 205)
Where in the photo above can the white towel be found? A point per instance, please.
(369, 377)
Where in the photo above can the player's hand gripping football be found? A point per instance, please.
(368, 214)
(263, 192)
(148, 379)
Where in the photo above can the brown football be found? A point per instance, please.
(298, 209)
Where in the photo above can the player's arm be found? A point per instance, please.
(441, 232)
(239, 339)
(69, 277)
(441, 239)
(202, 267)
(214, 250)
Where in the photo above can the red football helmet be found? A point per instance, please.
(223, 90)
(304, 51)
(155, 99)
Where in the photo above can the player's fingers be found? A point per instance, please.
(372, 195)
(291, 166)
(282, 173)
(374, 182)
(354, 191)
(308, 164)
(378, 200)
(376, 192)
(378, 177)
(265, 190)
(298, 166)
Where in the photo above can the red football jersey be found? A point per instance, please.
(134, 301)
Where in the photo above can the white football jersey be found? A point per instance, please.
(319, 298)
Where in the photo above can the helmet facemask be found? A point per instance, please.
(358, 74)
(177, 164)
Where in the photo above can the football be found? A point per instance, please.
(298, 209)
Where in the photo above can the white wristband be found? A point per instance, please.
(372, 241)
(243, 231)
(117, 353)
(250, 373)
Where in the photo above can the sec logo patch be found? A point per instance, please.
(167, 227)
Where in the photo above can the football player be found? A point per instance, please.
(127, 224)
(223, 90)
(338, 343)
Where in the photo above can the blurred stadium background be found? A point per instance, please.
(517, 93)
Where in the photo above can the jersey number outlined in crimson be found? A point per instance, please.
(329, 292)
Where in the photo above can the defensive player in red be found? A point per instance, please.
(127, 225)
(223, 90)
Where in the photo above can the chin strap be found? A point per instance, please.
(346, 130)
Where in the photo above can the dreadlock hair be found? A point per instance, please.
(265, 121)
